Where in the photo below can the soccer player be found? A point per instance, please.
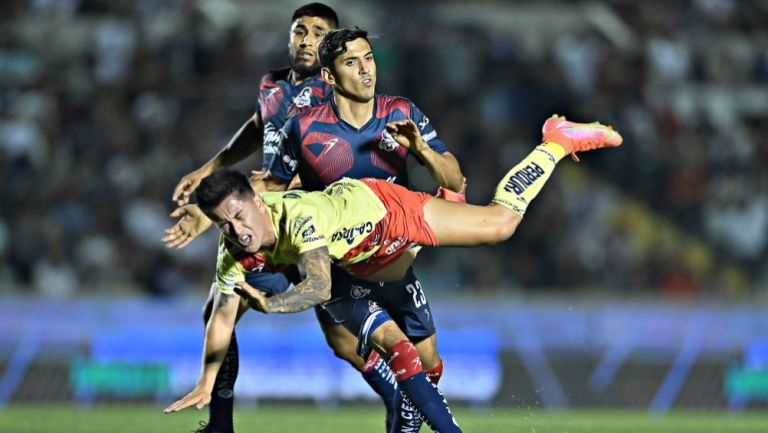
(282, 93)
(375, 155)
(366, 226)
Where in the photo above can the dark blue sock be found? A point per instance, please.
(405, 418)
(382, 381)
(423, 395)
(223, 396)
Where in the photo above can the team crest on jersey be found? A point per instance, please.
(387, 142)
(304, 98)
(358, 292)
(373, 307)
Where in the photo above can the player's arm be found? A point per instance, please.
(443, 167)
(315, 287)
(285, 164)
(245, 142)
(218, 333)
(265, 182)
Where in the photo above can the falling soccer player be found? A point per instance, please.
(365, 226)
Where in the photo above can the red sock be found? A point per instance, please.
(404, 361)
(371, 363)
(435, 373)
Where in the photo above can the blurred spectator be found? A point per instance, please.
(104, 105)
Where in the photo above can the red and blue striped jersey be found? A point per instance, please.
(322, 148)
(280, 99)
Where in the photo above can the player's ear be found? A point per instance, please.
(328, 75)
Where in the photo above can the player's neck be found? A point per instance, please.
(353, 112)
(270, 238)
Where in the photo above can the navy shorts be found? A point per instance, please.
(404, 301)
(268, 282)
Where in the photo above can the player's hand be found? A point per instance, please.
(407, 134)
(199, 398)
(256, 298)
(459, 196)
(187, 186)
(192, 222)
(257, 175)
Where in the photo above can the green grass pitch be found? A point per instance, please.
(354, 419)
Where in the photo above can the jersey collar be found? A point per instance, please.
(366, 125)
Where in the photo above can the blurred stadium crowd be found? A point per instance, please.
(104, 105)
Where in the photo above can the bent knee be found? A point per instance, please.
(343, 344)
(504, 227)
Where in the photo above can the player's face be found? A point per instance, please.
(355, 72)
(243, 220)
(306, 34)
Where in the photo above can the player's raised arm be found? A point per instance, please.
(315, 288)
(245, 142)
(217, 337)
(443, 167)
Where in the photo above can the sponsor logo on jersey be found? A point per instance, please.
(312, 239)
(273, 138)
(523, 178)
(429, 136)
(304, 98)
(329, 144)
(290, 163)
(308, 232)
(387, 142)
(423, 123)
(300, 221)
(358, 292)
(338, 188)
(350, 234)
(394, 245)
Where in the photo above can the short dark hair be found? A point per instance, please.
(317, 10)
(334, 44)
(218, 186)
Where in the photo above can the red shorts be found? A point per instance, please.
(403, 226)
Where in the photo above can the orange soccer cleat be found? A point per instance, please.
(579, 137)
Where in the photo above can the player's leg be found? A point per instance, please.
(221, 407)
(407, 304)
(344, 343)
(403, 359)
(354, 307)
(374, 370)
(456, 224)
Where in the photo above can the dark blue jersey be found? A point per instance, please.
(321, 148)
(280, 99)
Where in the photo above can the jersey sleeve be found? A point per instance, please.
(228, 270)
(285, 162)
(428, 132)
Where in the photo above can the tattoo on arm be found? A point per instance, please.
(225, 298)
(315, 267)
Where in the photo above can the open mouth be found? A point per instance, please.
(368, 82)
(305, 55)
(245, 240)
